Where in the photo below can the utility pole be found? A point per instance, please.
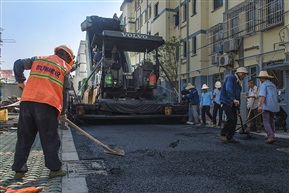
(1, 44)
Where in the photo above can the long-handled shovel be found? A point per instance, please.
(242, 125)
(250, 120)
(250, 110)
(111, 149)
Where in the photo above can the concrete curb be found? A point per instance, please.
(71, 184)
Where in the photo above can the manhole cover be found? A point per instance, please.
(283, 149)
(83, 168)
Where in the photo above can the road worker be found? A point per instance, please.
(40, 107)
(230, 102)
(268, 104)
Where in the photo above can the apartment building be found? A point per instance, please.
(217, 36)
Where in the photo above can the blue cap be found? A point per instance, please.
(185, 85)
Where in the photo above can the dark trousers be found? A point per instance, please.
(231, 123)
(37, 117)
(215, 111)
(206, 110)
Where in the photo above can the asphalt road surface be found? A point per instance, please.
(182, 158)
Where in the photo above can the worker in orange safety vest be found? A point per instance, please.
(40, 107)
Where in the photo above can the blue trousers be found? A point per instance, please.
(37, 117)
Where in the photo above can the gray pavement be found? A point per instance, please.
(199, 163)
(38, 174)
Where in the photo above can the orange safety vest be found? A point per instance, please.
(45, 83)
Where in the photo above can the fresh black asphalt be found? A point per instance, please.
(182, 158)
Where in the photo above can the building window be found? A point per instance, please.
(146, 15)
(177, 53)
(137, 4)
(185, 49)
(193, 80)
(218, 3)
(124, 20)
(253, 71)
(235, 26)
(156, 9)
(242, 19)
(184, 12)
(194, 45)
(216, 40)
(271, 13)
(149, 12)
(194, 7)
(275, 13)
(251, 20)
(177, 18)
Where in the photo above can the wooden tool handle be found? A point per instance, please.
(87, 135)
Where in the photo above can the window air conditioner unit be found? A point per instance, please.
(230, 45)
(215, 59)
(225, 60)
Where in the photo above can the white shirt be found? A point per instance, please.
(253, 92)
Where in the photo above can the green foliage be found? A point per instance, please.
(168, 58)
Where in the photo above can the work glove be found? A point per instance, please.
(21, 86)
(62, 117)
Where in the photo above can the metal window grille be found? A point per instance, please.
(215, 38)
(241, 19)
(271, 13)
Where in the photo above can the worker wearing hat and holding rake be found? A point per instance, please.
(40, 106)
(268, 104)
(230, 102)
(252, 106)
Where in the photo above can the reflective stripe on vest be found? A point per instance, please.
(45, 84)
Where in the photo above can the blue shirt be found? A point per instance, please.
(231, 90)
(206, 98)
(269, 91)
(217, 94)
(193, 96)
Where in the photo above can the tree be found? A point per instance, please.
(168, 59)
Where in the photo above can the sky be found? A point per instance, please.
(38, 26)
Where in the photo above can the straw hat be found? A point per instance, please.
(189, 86)
(264, 74)
(204, 87)
(218, 84)
(242, 69)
